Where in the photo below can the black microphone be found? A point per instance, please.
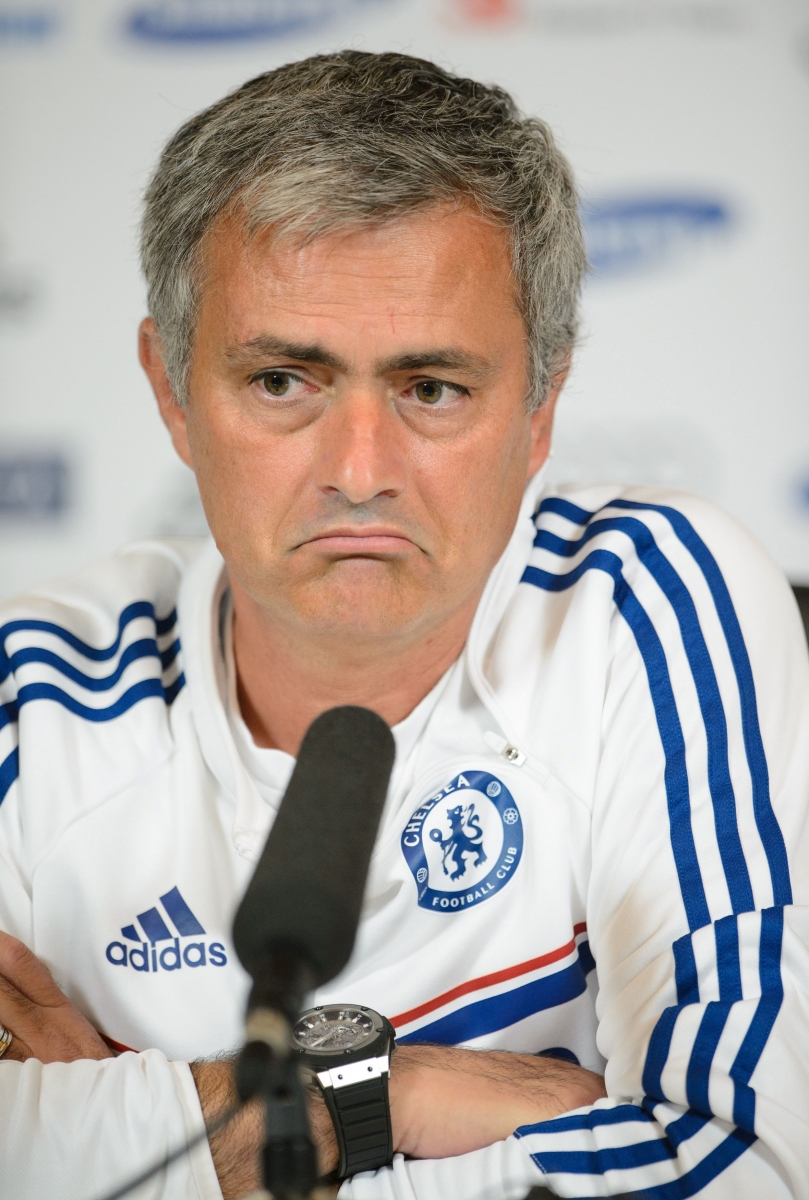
(295, 927)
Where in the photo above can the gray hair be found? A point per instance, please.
(355, 139)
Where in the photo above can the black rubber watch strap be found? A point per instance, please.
(361, 1116)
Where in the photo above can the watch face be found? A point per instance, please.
(334, 1028)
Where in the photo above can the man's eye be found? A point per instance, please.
(430, 391)
(277, 383)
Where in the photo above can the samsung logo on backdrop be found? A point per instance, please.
(33, 486)
(26, 23)
(628, 234)
(201, 21)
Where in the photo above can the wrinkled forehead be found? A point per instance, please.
(437, 259)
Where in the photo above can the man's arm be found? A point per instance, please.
(698, 901)
(74, 1120)
(444, 1101)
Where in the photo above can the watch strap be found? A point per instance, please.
(360, 1112)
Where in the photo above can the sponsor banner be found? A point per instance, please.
(27, 22)
(637, 232)
(208, 21)
(34, 486)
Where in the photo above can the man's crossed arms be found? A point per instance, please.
(444, 1101)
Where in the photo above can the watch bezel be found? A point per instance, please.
(379, 1042)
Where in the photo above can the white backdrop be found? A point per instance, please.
(686, 120)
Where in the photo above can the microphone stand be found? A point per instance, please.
(268, 1067)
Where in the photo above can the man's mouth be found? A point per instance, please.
(369, 540)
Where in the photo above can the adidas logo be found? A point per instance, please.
(148, 955)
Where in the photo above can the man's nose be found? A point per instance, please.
(360, 453)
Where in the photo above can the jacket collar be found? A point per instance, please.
(200, 608)
(497, 596)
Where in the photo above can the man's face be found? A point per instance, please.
(357, 422)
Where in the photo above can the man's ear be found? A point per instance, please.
(150, 353)
(542, 421)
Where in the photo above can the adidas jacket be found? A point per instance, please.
(597, 846)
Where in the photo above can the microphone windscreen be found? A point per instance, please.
(307, 888)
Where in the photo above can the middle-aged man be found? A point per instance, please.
(363, 276)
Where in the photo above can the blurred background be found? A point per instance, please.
(687, 122)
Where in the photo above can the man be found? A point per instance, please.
(363, 275)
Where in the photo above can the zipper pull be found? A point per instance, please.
(504, 748)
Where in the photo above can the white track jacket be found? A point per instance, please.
(595, 843)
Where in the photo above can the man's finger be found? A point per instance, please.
(27, 974)
(20, 1017)
(18, 1051)
(51, 1032)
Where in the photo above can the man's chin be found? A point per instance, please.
(361, 604)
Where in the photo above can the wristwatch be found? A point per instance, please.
(348, 1047)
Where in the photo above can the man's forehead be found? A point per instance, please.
(435, 242)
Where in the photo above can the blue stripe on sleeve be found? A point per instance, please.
(172, 690)
(658, 1052)
(685, 971)
(767, 1009)
(702, 671)
(706, 1170)
(9, 713)
(620, 1115)
(48, 691)
(608, 1158)
(668, 721)
(168, 655)
(726, 929)
(697, 1077)
(144, 648)
(566, 509)
(164, 624)
(685, 1127)
(715, 1016)
(639, 1154)
(728, 964)
(766, 821)
(9, 771)
(141, 608)
(597, 1162)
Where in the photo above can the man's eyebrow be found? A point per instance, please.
(267, 346)
(437, 358)
(443, 358)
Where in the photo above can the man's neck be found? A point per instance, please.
(284, 681)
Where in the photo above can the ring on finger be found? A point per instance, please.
(6, 1038)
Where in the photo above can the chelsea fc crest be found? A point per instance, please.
(464, 843)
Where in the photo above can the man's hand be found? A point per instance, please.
(34, 1009)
